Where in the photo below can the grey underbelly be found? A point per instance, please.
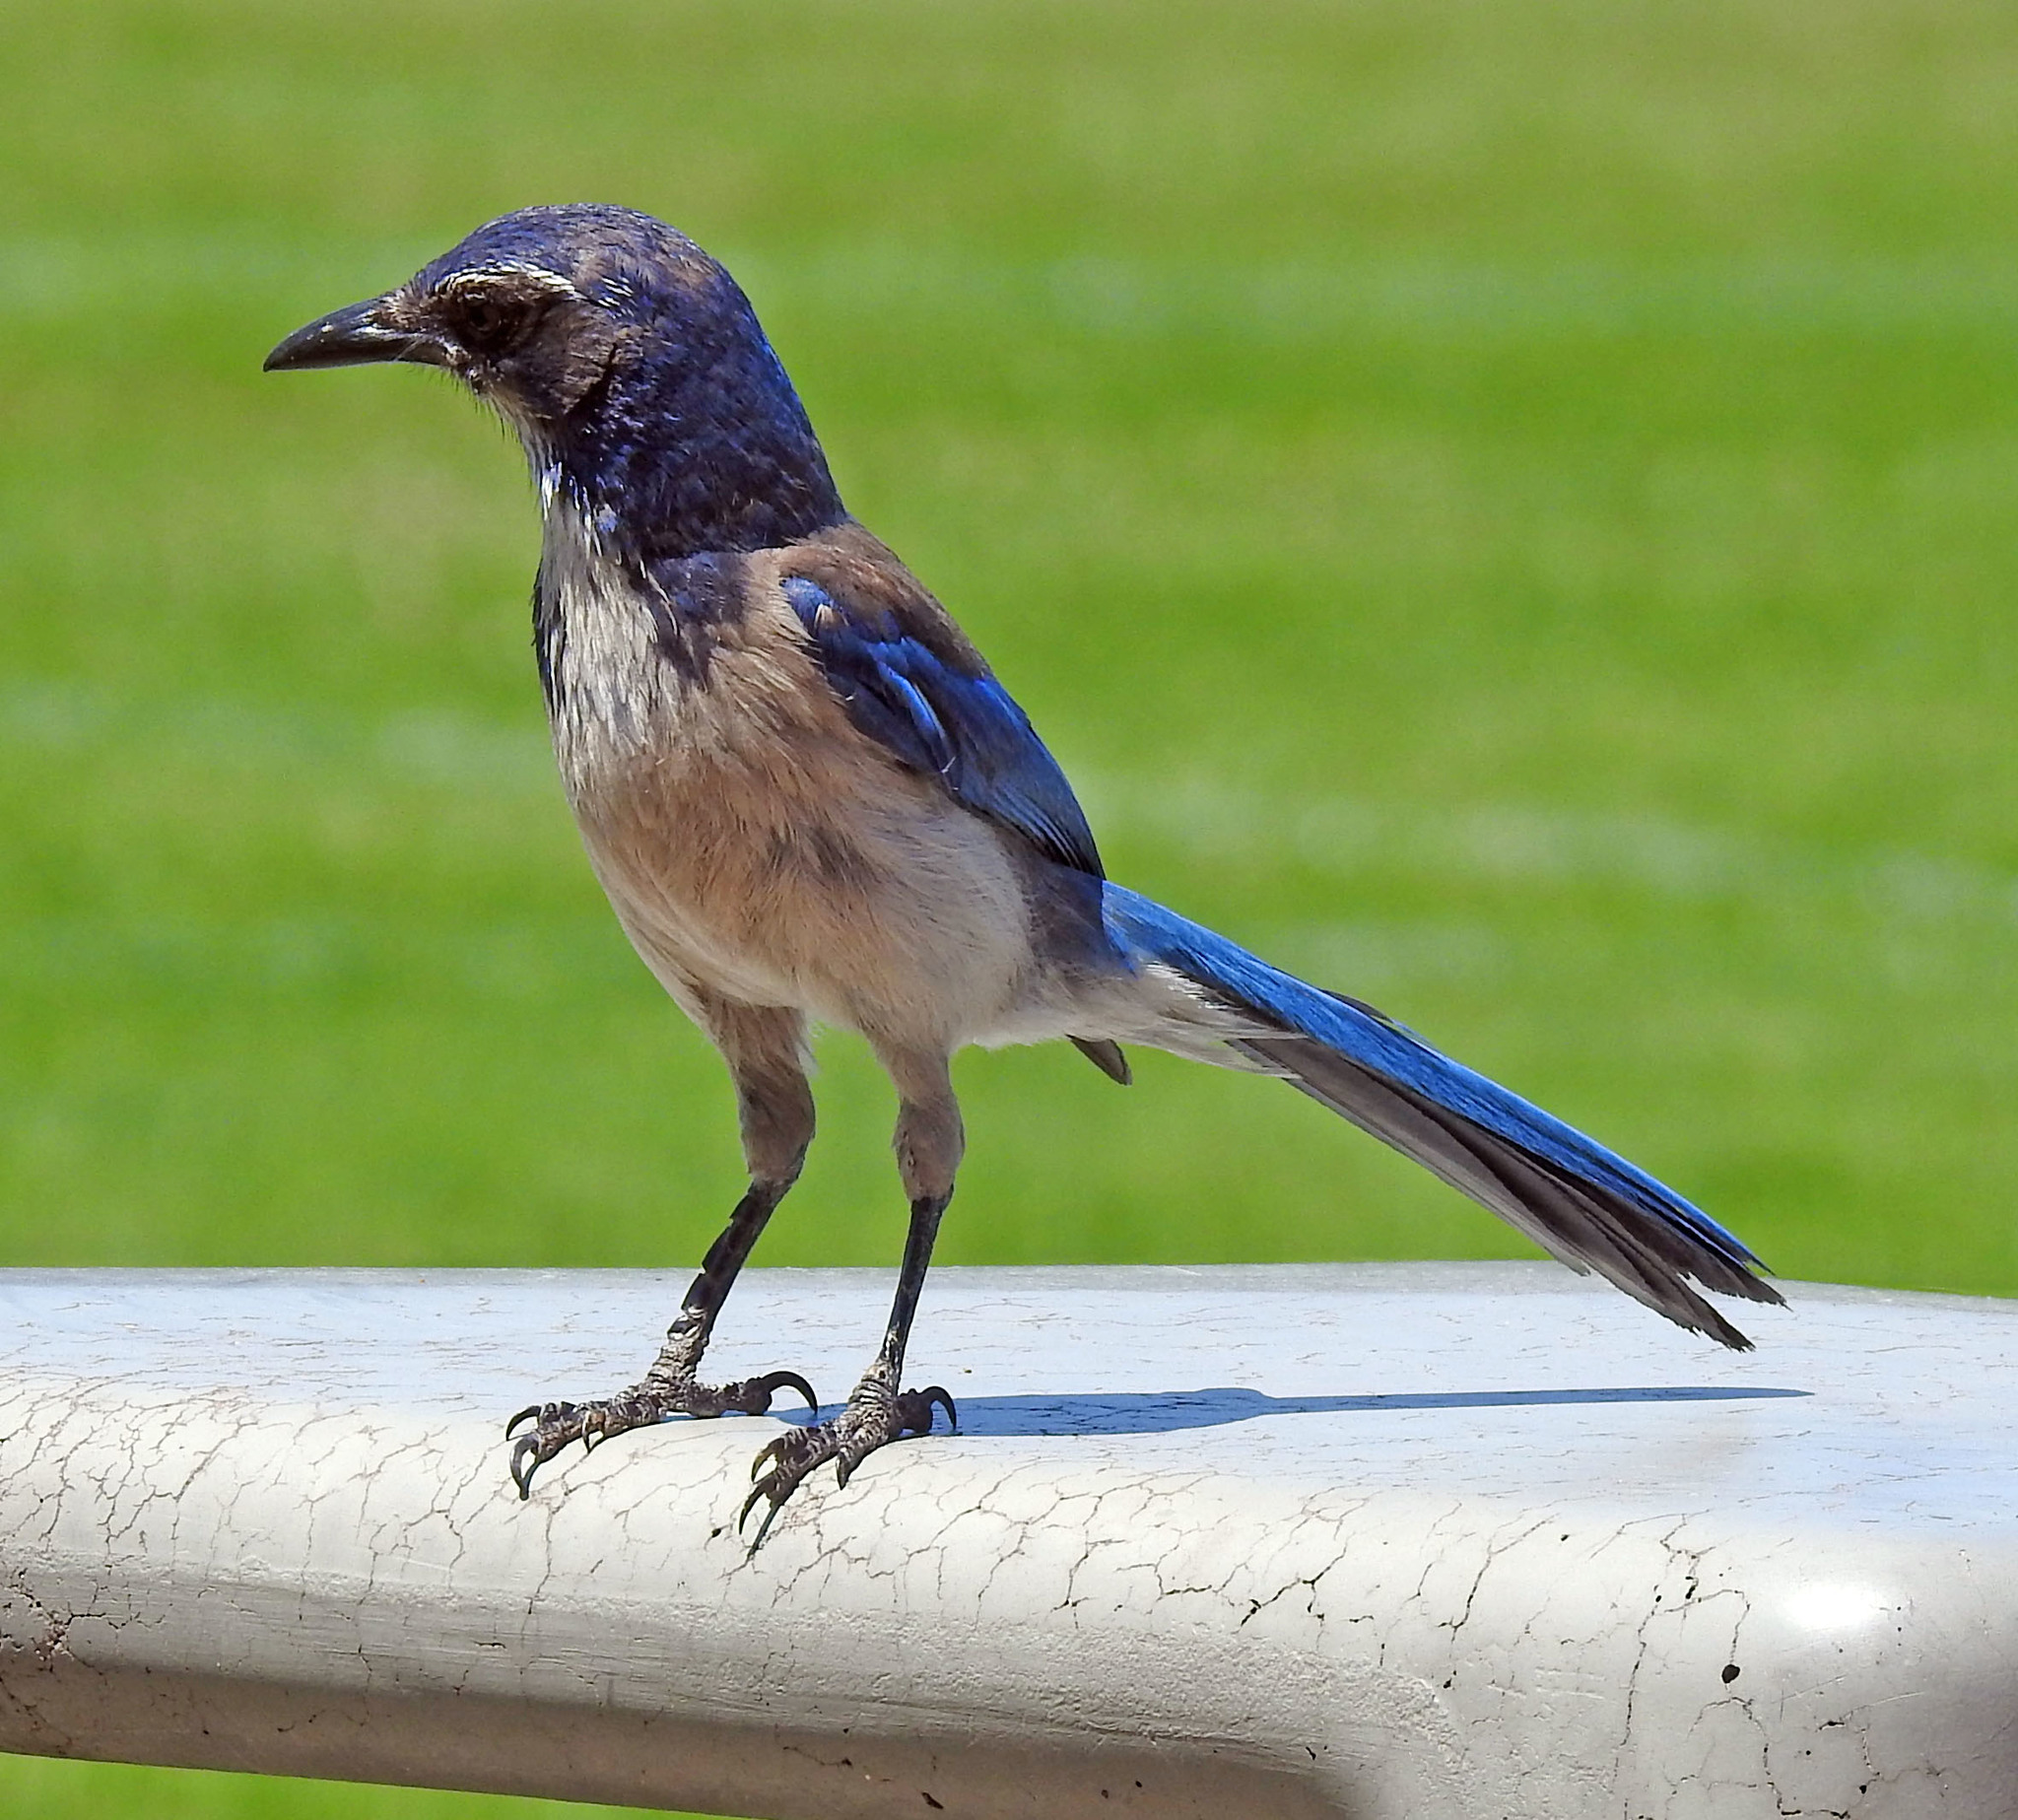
(906, 920)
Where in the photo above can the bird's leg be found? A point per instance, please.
(669, 1386)
(879, 1411)
(777, 1111)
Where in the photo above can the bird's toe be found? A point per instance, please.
(872, 1420)
(557, 1425)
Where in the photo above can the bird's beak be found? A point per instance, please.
(362, 332)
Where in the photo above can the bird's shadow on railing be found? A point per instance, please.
(1160, 1412)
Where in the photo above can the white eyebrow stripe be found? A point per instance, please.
(541, 278)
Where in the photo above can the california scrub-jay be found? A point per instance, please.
(808, 797)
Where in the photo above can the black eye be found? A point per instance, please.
(491, 322)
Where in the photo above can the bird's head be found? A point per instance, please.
(623, 355)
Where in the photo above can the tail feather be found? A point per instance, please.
(1576, 1199)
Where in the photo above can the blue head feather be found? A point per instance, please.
(641, 373)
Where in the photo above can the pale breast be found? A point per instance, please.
(752, 842)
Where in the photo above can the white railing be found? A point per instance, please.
(1406, 1541)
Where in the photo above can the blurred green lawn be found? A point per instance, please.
(1508, 507)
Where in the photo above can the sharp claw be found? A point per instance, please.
(555, 1425)
(790, 1381)
(784, 1463)
(763, 1529)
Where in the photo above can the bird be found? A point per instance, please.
(810, 801)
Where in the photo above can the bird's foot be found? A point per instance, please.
(874, 1417)
(652, 1400)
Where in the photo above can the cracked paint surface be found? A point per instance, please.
(1401, 1540)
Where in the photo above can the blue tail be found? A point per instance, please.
(1576, 1199)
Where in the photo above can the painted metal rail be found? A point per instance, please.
(1476, 1541)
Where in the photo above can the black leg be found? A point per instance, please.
(878, 1412)
(670, 1386)
(765, 1049)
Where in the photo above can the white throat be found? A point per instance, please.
(597, 643)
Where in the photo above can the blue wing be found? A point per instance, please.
(946, 719)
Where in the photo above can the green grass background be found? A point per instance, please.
(1510, 508)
